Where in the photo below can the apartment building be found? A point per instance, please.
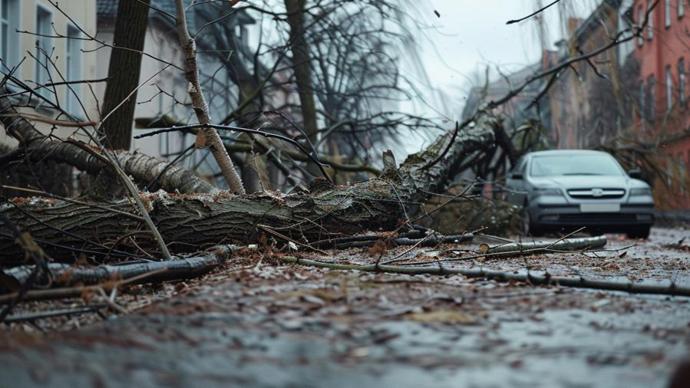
(663, 55)
(51, 45)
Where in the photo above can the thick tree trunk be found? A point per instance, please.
(143, 168)
(123, 73)
(190, 223)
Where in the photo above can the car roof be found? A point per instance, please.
(566, 152)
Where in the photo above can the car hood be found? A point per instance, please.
(583, 181)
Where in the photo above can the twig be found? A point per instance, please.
(270, 230)
(540, 10)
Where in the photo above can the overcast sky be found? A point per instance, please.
(471, 34)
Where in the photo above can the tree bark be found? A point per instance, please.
(123, 73)
(189, 223)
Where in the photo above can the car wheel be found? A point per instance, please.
(527, 227)
(641, 232)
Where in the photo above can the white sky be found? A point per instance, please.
(471, 34)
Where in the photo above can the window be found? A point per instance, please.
(9, 39)
(682, 170)
(667, 13)
(669, 89)
(43, 49)
(650, 102)
(681, 8)
(682, 98)
(575, 164)
(650, 21)
(643, 100)
(73, 71)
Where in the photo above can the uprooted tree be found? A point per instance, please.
(189, 215)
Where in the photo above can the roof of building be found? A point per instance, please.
(593, 20)
(107, 10)
(501, 87)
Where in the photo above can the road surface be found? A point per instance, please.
(270, 325)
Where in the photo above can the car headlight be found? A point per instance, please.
(640, 191)
(548, 191)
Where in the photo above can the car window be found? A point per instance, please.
(574, 164)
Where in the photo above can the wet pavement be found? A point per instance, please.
(270, 325)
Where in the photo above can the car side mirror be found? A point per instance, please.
(635, 173)
(517, 176)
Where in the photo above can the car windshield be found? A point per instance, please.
(572, 164)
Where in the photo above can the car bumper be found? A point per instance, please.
(547, 216)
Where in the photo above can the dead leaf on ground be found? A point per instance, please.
(443, 316)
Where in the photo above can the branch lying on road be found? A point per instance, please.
(533, 278)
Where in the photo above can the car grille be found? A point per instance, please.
(596, 193)
(597, 218)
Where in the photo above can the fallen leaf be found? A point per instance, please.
(443, 316)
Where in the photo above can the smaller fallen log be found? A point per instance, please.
(534, 247)
(64, 275)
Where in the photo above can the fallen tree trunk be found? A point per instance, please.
(143, 168)
(192, 222)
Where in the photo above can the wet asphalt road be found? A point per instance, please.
(288, 326)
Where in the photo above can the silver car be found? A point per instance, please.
(563, 190)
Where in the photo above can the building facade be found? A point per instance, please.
(634, 93)
(163, 99)
(47, 50)
(41, 46)
(587, 101)
(663, 118)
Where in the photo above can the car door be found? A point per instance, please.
(516, 183)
